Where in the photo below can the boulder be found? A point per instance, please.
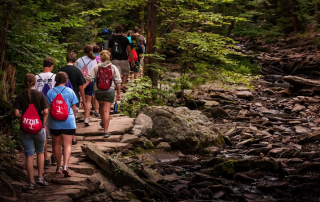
(144, 121)
(126, 138)
(184, 129)
(211, 151)
(163, 145)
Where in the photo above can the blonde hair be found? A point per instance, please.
(105, 56)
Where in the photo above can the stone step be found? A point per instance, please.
(118, 126)
(106, 147)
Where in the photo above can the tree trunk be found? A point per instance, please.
(7, 71)
(151, 42)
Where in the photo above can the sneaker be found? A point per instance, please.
(74, 142)
(53, 159)
(101, 124)
(66, 171)
(42, 182)
(31, 186)
(46, 163)
(106, 135)
(96, 114)
(86, 122)
(59, 170)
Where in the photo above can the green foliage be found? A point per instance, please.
(231, 77)
(244, 67)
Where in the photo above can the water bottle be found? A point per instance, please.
(115, 108)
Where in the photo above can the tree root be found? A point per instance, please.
(9, 186)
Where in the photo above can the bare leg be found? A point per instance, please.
(73, 138)
(101, 111)
(57, 148)
(106, 115)
(67, 140)
(136, 74)
(40, 161)
(124, 79)
(29, 165)
(46, 150)
(96, 105)
(88, 107)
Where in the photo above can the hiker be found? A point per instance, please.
(62, 122)
(129, 36)
(35, 110)
(44, 82)
(142, 40)
(77, 81)
(108, 79)
(95, 103)
(135, 47)
(85, 64)
(118, 47)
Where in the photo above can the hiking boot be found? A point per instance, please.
(53, 159)
(31, 186)
(74, 142)
(59, 170)
(86, 122)
(106, 135)
(66, 171)
(96, 114)
(46, 163)
(42, 182)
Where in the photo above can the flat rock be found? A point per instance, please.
(82, 169)
(118, 126)
(103, 146)
(211, 151)
(277, 152)
(302, 130)
(244, 94)
(218, 112)
(112, 138)
(127, 138)
(298, 107)
(209, 103)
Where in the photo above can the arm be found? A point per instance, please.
(45, 114)
(117, 81)
(86, 84)
(17, 113)
(74, 108)
(130, 54)
(81, 89)
(92, 75)
(110, 49)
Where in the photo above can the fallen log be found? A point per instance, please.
(299, 81)
(120, 174)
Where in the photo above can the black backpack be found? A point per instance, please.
(117, 48)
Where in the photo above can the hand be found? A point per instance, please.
(132, 64)
(83, 103)
(118, 97)
(46, 128)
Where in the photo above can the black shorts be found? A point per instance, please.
(62, 131)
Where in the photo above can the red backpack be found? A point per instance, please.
(134, 54)
(59, 108)
(85, 69)
(104, 78)
(30, 121)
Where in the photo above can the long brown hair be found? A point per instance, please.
(29, 81)
(88, 50)
(61, 77)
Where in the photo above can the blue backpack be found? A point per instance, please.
(46, 86)
(68, 84)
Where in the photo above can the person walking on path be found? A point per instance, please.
(44, 82)
(108, 79)
(33, 142)
(96, 51)
(85, 64)
(62, 131)
(76, 79)
(136, 47)
(119, 47)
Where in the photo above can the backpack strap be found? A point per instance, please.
(61, 91)
(52, 75)
(85, 63)
(40, 77)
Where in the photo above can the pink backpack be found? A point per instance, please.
(85, 69)
(30, 121)
(59, 108)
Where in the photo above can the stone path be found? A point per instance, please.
(86, 177)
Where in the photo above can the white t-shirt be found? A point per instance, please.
(86, 60)
(44, 78)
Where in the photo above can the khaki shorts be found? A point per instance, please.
(122, 65)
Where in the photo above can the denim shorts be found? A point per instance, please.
(33, 142)
(89, 90)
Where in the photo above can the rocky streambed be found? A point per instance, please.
(270, 150)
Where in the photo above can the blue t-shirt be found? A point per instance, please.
(70, 98)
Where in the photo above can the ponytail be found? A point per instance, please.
(29, 81)
(88, 50)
